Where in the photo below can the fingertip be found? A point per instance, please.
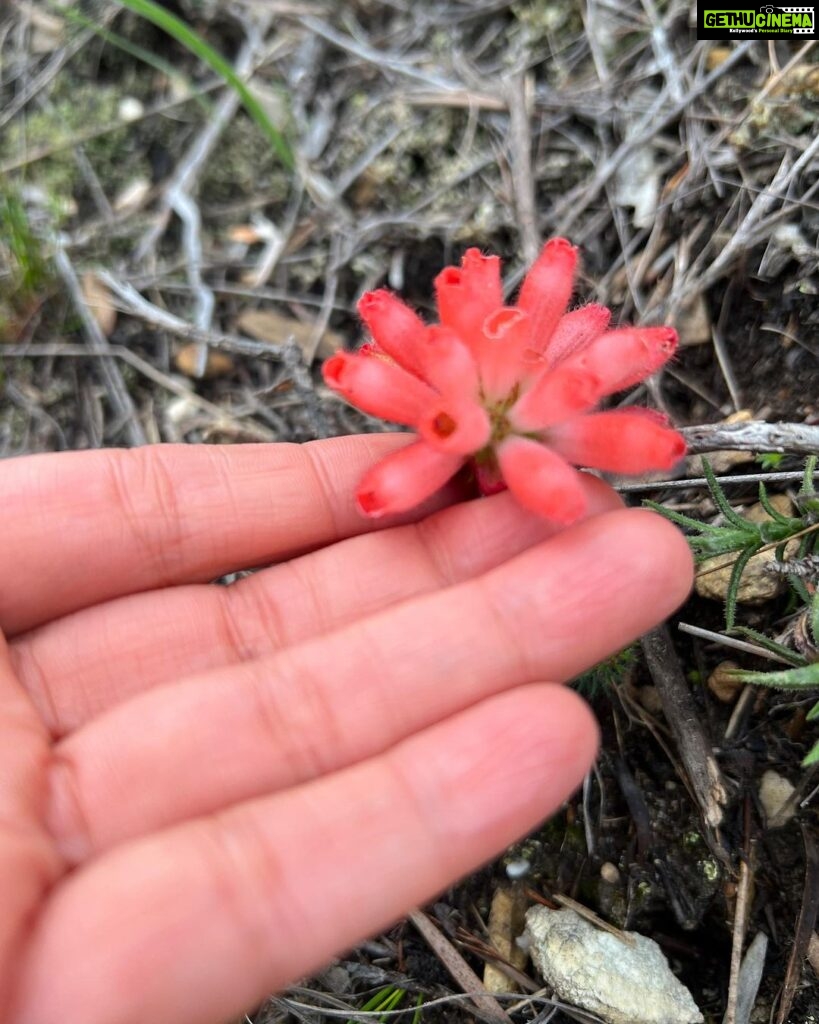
(576, 740)
(600, 496)
(663, 547)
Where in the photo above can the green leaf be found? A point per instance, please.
(812, 756)
(733, 584)
(814, 617)
(680, 519)
(804, 678)
(722, 502)
(771, 645)
(808, 487)
(765, 502)
(176, 28)
(728, 540)
(813, 714)
(770, 460)
(800, 587)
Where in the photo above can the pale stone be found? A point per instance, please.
(723, 684)
(609, 873)
(505, 922)
(774, 792)
(757, 585)
(130, 109)
(624, 980)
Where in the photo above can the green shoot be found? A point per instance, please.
(386, 999)
(177, 28)
(741, 535)
(802, 677)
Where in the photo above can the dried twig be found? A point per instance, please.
(741, 911)
(785, 477)
(134, 303)
(487, 1008)
(681, 713)
(118, 394)
(755, 436)
(805, 924)
(518, 95)
(732, 642)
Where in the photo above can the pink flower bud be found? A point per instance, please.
(404, 479)
(378, 387)
(457, 425)
(541, 480)
(622, 441)
(547, 288)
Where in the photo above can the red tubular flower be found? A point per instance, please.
(511, 390)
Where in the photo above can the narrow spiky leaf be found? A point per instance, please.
(742, 561)
(721, 501)
(804, 678)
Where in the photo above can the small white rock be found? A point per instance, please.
(609, 873)
(519, 868)
(622, 982)
(774, 793)
(130, 109)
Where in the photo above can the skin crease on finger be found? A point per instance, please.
(514, 625)
(161, 636)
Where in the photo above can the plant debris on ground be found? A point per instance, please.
(175, 262)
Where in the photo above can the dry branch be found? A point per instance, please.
(681, 713)
(755, 435)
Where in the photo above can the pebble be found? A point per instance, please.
(624, 980)
(757, 585)
(722, 684)
(774, 792)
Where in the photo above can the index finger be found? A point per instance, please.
(84, 527)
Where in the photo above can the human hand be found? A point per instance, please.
(207, 791)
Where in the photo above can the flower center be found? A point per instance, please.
(498, 416)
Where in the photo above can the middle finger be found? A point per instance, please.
(77, 667)
(319, 706)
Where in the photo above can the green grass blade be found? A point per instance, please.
(176, 28)
(138, 52)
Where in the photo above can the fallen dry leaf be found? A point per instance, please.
(99, 302)
(218, 364)
(507, 918)
(268, 325)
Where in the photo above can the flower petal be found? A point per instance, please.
(467, 295)
(457, 425)
(378, 386)
(506, 334)
(446, 362)
(575, 331)
(547, 288)
(541, 480)
(626, 355)
(622, 441)
(396, 328)
(555, 396)
(404, 479)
